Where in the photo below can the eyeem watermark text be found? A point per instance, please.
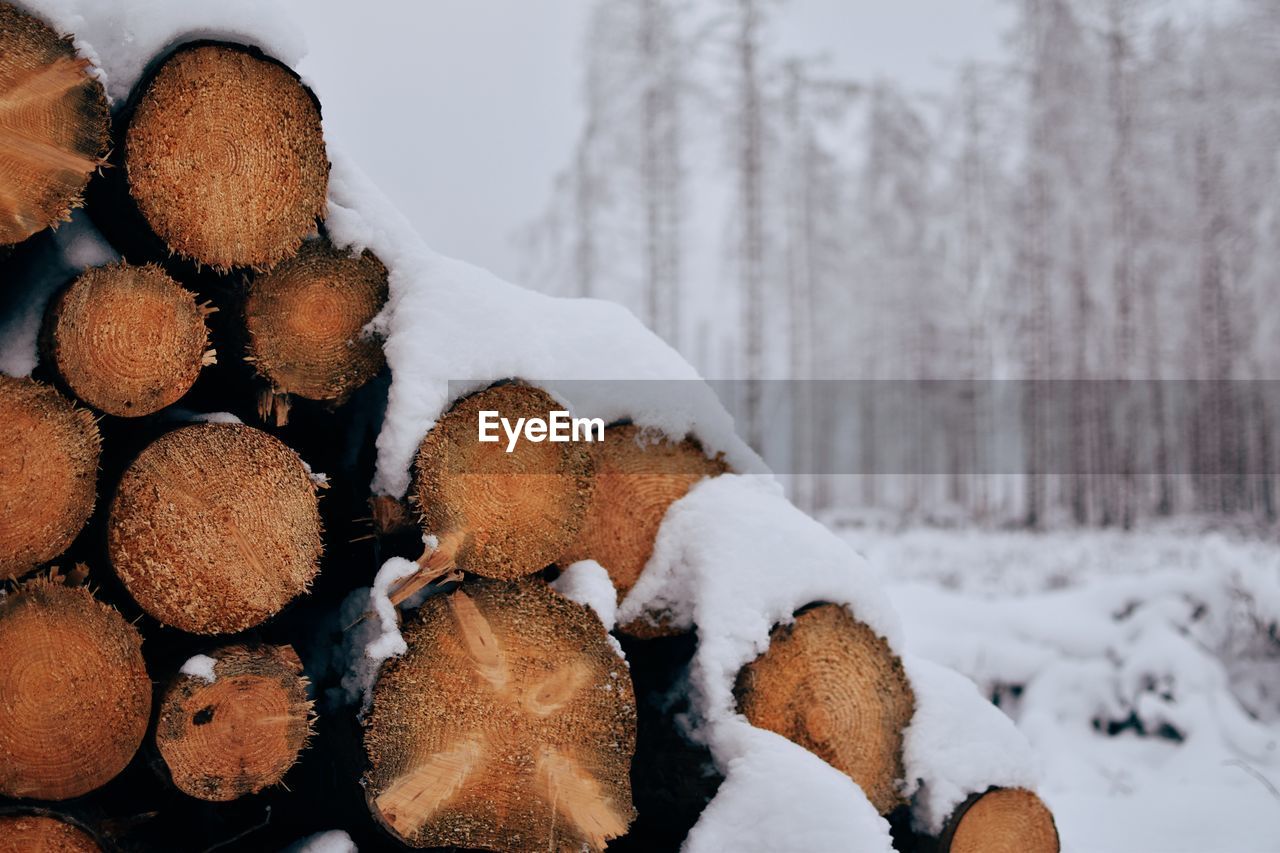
(560, 427)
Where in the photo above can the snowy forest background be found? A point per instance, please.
(1099, 204)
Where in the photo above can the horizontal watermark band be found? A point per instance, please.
(957, 427)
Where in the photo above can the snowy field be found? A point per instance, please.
(1144, 668)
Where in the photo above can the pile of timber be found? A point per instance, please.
(167, 582)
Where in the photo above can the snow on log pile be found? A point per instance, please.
(483, 646)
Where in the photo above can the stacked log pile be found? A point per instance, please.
(168, 625)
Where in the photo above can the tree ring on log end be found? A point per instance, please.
(832, 685)
(511, 513)
(77, 697)
(1001, 820)
(306, 317)
(54, 126)
(43, 833)
(215, 528)
(128, 340)
(225, 157)
(49, 452)
(636, 482)
(509, 724)
(239, 733)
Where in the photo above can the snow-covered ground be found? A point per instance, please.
(1144, 668)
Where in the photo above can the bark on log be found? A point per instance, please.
(76, 692)
(305, 321)
(54, 126)
(494, 513)
(1000, 820)
(215, 528)
(43, 833)
(509, 724)
(830, 684)
(636, 482)
(241, 732)
(225, 157)
(128, 340)
(49, 452)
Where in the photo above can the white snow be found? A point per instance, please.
(318, 477)
(777, 796)
(1165, 637)
(372, 628)
(958, 744)
(200, 666)
(449, 322)
(333, 841)
(203, 417)
(735, 558)
(122, 38)
(588, 583)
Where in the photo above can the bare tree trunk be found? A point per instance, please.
(750, 168)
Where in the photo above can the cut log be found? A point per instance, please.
(225, 158)
(128, 340)
(509, 724)
(215, 527)
(494, 513)
(54, 126)
(830, 684)
(1001, 820)
(241, 732)
(305, 320)
(636, 482)
(76, 692)
(49, 453)
(42, 833)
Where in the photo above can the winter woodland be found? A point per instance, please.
(1098, 205)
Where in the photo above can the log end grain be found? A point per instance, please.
(636, 481)
(832, 685)
(39, 833)
(128, 340)
(305, 320)
(76, 692)
(511, 514)
(54, 126)
(526, 739)
(49, 452)
(1001, 820)
(225, 157)
(239, 733)
(215, 528)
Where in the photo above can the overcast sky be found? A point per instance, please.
(464, 110)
